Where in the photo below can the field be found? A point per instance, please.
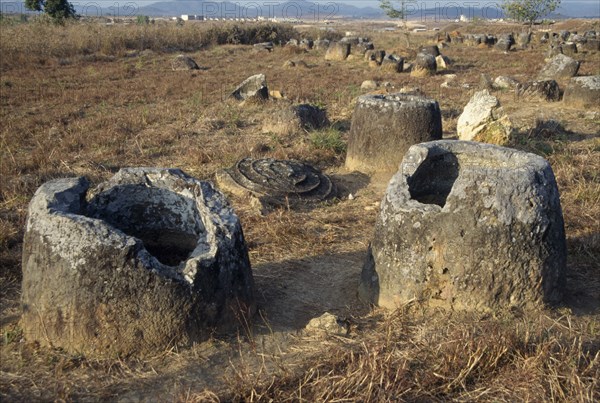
(88, 99)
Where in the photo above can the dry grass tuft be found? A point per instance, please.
(410, 356)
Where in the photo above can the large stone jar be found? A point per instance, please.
(150, 259)
(467, 225)
(385, 126)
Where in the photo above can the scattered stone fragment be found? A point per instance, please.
(483, 119)
(384, 126)
(546, 90)
(369, 85)
(442, 62)
(329, 324)
(277, 182)
(504, 83)
(276, 94)
(450, 80)
(296, 119)
(254, 87)
(559, 67)
(183, 62)
(150, 259)
(264, 46)
(583, 92)
(468, 226)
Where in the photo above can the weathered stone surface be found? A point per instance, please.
(505, 42)
(352, 40)
(583, 91)
(425, 65)
(591, 45)
(254, 87)
(523, 39)
(546, 90)
(483, 119)
(569, 49)
(183, 62)
(328, 324)
(153, 258)
(277, 182)
(321, 44)
(442, 62)
(559, 67)
(432, 50)
(307, 44)
(264, 46)
(296, 119)
(393, 63)
(384, 126)
(468, 226)
(362, 47)
(553, 50)
(504, 83)
(337, 51)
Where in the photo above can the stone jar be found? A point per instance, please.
(470, 226)
(150, 259)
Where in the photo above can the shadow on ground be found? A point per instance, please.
(292, 292)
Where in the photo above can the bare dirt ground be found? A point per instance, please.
(92, 113)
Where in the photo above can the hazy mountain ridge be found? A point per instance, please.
(301, 10)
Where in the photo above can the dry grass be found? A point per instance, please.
(416, 355)
(79, 103)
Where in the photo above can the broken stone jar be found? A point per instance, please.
(150, 259)
(466, 225)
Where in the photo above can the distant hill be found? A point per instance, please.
(301, 10)
(298, 9)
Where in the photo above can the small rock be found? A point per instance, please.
(183, 62)
(328, 323)
(264, 46)
(369, 85)
(504, 83)
(254, 87)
